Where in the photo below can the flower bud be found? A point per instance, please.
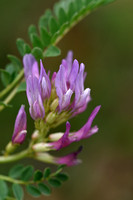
(20, 127)
(40, 147)
(51, 118)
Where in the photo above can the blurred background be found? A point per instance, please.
(103, 41)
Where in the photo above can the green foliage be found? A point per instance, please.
(44, 189)
(17, 191)
(62, 177)
(16, 171)
(53, 25)
(3, 190)
(47, 172)
(22, 87)
(38, 175)
(52, 51)
(33, 191)
(54, 182)
(27, 173)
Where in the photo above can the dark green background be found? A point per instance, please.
(104, 42)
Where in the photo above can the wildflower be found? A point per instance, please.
(38, 86)
(20, 127)
(85, 132)
(69, 80)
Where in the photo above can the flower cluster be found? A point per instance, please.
(53, 102)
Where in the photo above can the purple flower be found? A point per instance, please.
(38, 86)
(85, 132)
(70, 159)
(69, 80)
(20, 127)
(34, 97)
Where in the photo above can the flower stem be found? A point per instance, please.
(15, 157)
(13, 84)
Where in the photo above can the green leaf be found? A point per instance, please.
(38, 175)
(54, 182)
(27, 48)
(16, 171)
(5, 77)
(62, 17)
(36, 42)
(21, 87)
(46, 38)
(17, 191)
(27, 173)
(47, 172)
(79, 5)
(15, 60)
(44, 189)
(33, 191)
(71, 10)
(53, 25)
(52, 51)
(32, 29)
(3, 190)
(62, 176)
(20, 45)
(43, 22)
(38, 53)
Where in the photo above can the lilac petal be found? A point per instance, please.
(20, 124)
(63, 141)
(73, 74)
(70, 159)
(84, 131)
(84, 98)
(28, 62)
(19, 139)
(45, 83)
(66, 99)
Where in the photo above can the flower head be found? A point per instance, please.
(20, 127)
(38, 86)
(70, 80)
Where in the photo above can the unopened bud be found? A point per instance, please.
(10, 148)
(35, 135)
(40, 147)
(55, 136)
(54, 104)
(51, 118)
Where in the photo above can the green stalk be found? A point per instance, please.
(15, 157)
